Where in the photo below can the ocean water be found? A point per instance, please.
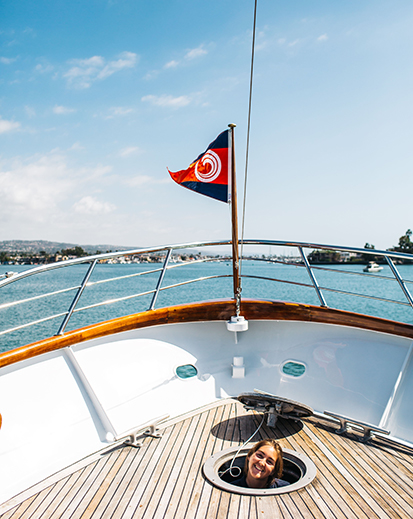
(128, 283)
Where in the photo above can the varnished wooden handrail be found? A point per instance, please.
(220, 310)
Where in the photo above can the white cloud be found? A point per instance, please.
(85, 71)
(262, 41)
(152, 74)
(126, 60)
(119, 110)
(38, 189)
(90, 205)
(8, 126)
(45, 195)
(171, 64)
(140, 180)
(293, 43)
(43, 68)
(30, 111)
(6, 61)
(29, 190)
(196, 53)
(76, 147)
(131, 150)
(167, 100)
(116, 111)
(62, 110)
(30, 32)
(323, 37)
(189, 56)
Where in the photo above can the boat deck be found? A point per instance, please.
(164, 477)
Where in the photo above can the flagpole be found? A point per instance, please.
(234, 222)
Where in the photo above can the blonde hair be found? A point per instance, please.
(278, 468)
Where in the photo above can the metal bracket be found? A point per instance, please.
(272, 417)
(347, 423)
(136, 436)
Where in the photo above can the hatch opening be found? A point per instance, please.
(298, 470)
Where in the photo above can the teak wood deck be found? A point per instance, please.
(164, 477)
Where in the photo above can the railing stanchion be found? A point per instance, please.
(312, 277)
(76, 298)
(158, 286)
(400, 280)
(12, 277)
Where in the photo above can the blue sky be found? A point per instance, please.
(98, 98)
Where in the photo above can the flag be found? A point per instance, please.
(209, 173)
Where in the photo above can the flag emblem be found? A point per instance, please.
(209, 173)
(208, 167)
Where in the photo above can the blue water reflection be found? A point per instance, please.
(70, 278)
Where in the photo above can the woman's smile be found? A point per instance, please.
(261, 465)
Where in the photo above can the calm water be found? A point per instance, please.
(208, 289)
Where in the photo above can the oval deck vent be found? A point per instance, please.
(186, 371)
(293, 368)
(299, 471)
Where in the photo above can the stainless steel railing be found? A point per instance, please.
(167, 253)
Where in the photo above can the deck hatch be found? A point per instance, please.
(299, 471)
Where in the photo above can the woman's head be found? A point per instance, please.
(264, 463)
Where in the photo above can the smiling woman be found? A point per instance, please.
(263, 466)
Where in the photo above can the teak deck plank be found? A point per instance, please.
(101, 500)
(90, 485)
(138, 494)
(183, 482)
(59, 502)
(135, 476)
(189, 505)
(397, 488)
(381, 487)
(79, 491)
(19, 510)
(350, 487)
(165, 486)
(326, 490)
(99, 487)
(164, 477)
(198, 503)
(209, 497)
(43, 500)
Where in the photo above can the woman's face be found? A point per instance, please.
(261, 465)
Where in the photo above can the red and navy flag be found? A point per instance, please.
(209, 173)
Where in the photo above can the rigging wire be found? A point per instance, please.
(248, 134)
(231, 468)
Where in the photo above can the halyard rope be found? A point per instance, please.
(248, 134)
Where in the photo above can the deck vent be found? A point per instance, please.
(186, 371)
(293, 368)
(299, 471)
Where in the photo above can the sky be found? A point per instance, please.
(98, 98)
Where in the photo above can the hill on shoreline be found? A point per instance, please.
(36, 246)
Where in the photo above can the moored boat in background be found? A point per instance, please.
(372, 267)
